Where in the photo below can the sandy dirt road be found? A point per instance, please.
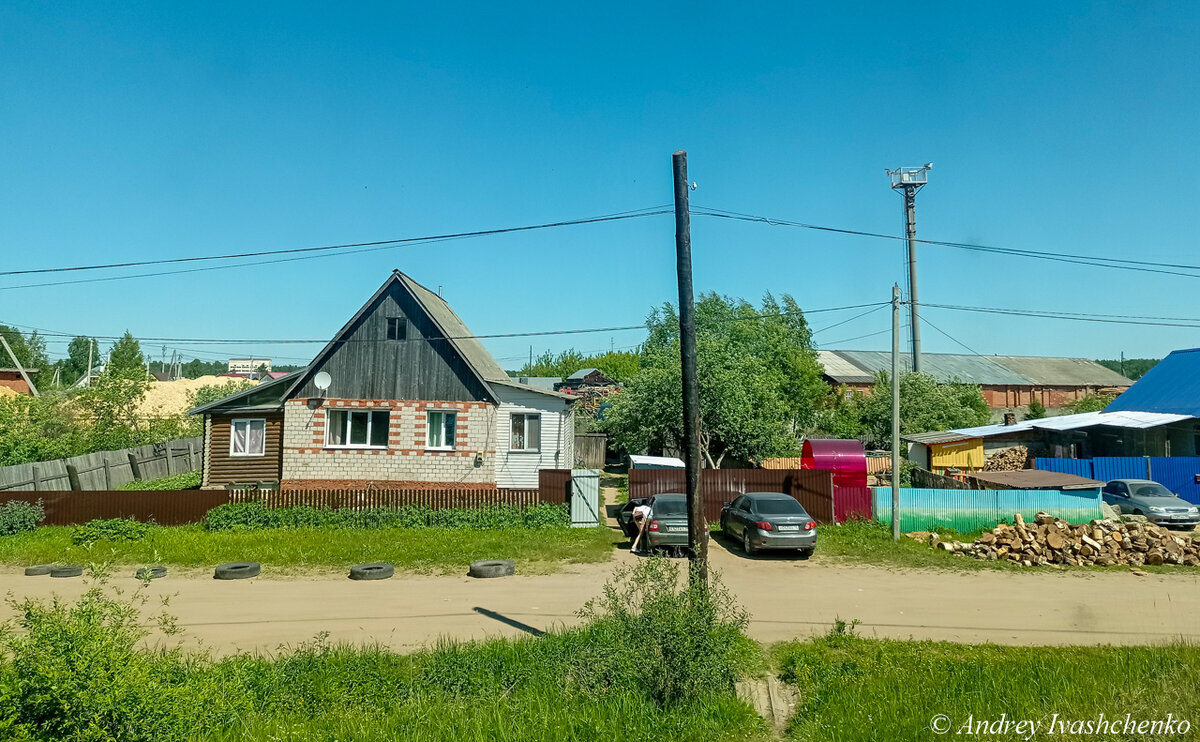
(786, 598)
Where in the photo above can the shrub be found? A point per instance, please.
(17, 516)
(186, 481)
(112, 529)
(245, 516)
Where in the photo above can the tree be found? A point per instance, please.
(75, 365)
(196, 368)
(1036, 410)
(30, 350)
(1132, 368)
(1091, 403)
(925, 405)
(125, 359)
(758, 374)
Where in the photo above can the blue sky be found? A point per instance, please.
(150, 130)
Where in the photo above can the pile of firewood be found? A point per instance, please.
(1010, 459)
(1102, 542)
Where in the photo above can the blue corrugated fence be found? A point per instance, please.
(971, 510)
(1176, 473)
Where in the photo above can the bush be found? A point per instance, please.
(246, 516)
(186, 481)
(112, 529)
(17, 516)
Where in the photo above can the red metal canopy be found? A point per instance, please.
(845, 458)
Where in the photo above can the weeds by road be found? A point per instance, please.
(853, 688)
(428, 550)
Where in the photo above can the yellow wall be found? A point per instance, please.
(966, 454)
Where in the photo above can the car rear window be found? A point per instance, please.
(781, 506)
(669, 507)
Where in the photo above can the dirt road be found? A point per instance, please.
(786, 599)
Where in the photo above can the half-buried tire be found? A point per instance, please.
(67, 571)
(236, 571)
(151, 573)
(38, 570)
(491, 568)
(372, 571)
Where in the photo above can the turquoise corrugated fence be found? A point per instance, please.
(972, 510)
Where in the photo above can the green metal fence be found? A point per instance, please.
(972, 510)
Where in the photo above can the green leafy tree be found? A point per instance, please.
(1036, 410)
(125, 360)
(75, 365)
(29, 349)
(1091, 403)
(196, 368)
(1132, 368)
(619, 365)
(925, 405)
(758, 374)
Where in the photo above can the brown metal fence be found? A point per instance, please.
(812, 487)
(554, 485)
(179, 507)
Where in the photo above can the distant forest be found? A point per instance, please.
(1132, 368)
(196, 368)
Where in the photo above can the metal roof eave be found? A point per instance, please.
(242, 394)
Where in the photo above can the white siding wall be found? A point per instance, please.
(519, 469)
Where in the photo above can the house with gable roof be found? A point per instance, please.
(403, 394)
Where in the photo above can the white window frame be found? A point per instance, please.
(369, 412)
(248, 422)
(536, 446)
(448, 445)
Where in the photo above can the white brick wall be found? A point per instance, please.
(405, 459)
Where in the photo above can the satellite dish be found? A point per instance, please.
(322, 380)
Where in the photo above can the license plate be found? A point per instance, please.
(789, 528)
(677, 529)
(1179, 517)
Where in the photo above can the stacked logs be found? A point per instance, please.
(1051, 541)
(1010, 459)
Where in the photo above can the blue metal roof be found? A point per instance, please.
(1173, 385)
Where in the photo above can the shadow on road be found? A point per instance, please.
(533, 630)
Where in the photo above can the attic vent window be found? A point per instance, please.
(397, 328)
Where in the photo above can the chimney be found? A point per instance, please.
(1010, 418)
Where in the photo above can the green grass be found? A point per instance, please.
(186, 481)
(854, 688)
(429, 550)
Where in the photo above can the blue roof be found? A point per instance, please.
(1173, 385)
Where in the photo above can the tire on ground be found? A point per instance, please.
(372, 571)
(66, 571)
(37, 570)
(151, 573)
(236, 570)
(492, 568)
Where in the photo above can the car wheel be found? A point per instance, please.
(746, 545)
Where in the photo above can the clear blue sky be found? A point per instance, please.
(147, 130)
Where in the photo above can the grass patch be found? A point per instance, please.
(655, 660)
(186, 481)
(617, 477)
(853, 688)
(429, 550)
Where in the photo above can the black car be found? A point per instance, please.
(769, 520)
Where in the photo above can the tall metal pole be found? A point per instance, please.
(895, 412)
(910, 229)
(697, 536)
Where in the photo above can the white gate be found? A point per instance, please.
(585, 498)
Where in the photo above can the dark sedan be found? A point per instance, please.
(769, 520)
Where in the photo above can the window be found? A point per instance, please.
(248, 437)
(526, 432)
(440, 431)
(357, 429)
(397, 328)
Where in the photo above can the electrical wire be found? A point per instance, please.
(618, 216)
(858, 337)
(1110, 319)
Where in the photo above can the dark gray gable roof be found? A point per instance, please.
(266, 396)
(581, 373)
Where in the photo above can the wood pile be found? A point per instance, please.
(1053, 541)
(1010, 459)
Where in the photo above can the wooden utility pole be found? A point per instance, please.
(88, 375)
(28, 381)
(697, 533)
(895, 412)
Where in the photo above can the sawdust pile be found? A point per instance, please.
(167, 398)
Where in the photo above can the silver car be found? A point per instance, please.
(769, 520)
(1160, 505)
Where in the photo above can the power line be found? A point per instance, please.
(619, 216)
(847, 321)
(1145, 266)
(1111, 319)
(952, 338)
(857, 337)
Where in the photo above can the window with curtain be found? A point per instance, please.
(356, 429)
(526, 431)
(248, 437)
(440, 429)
